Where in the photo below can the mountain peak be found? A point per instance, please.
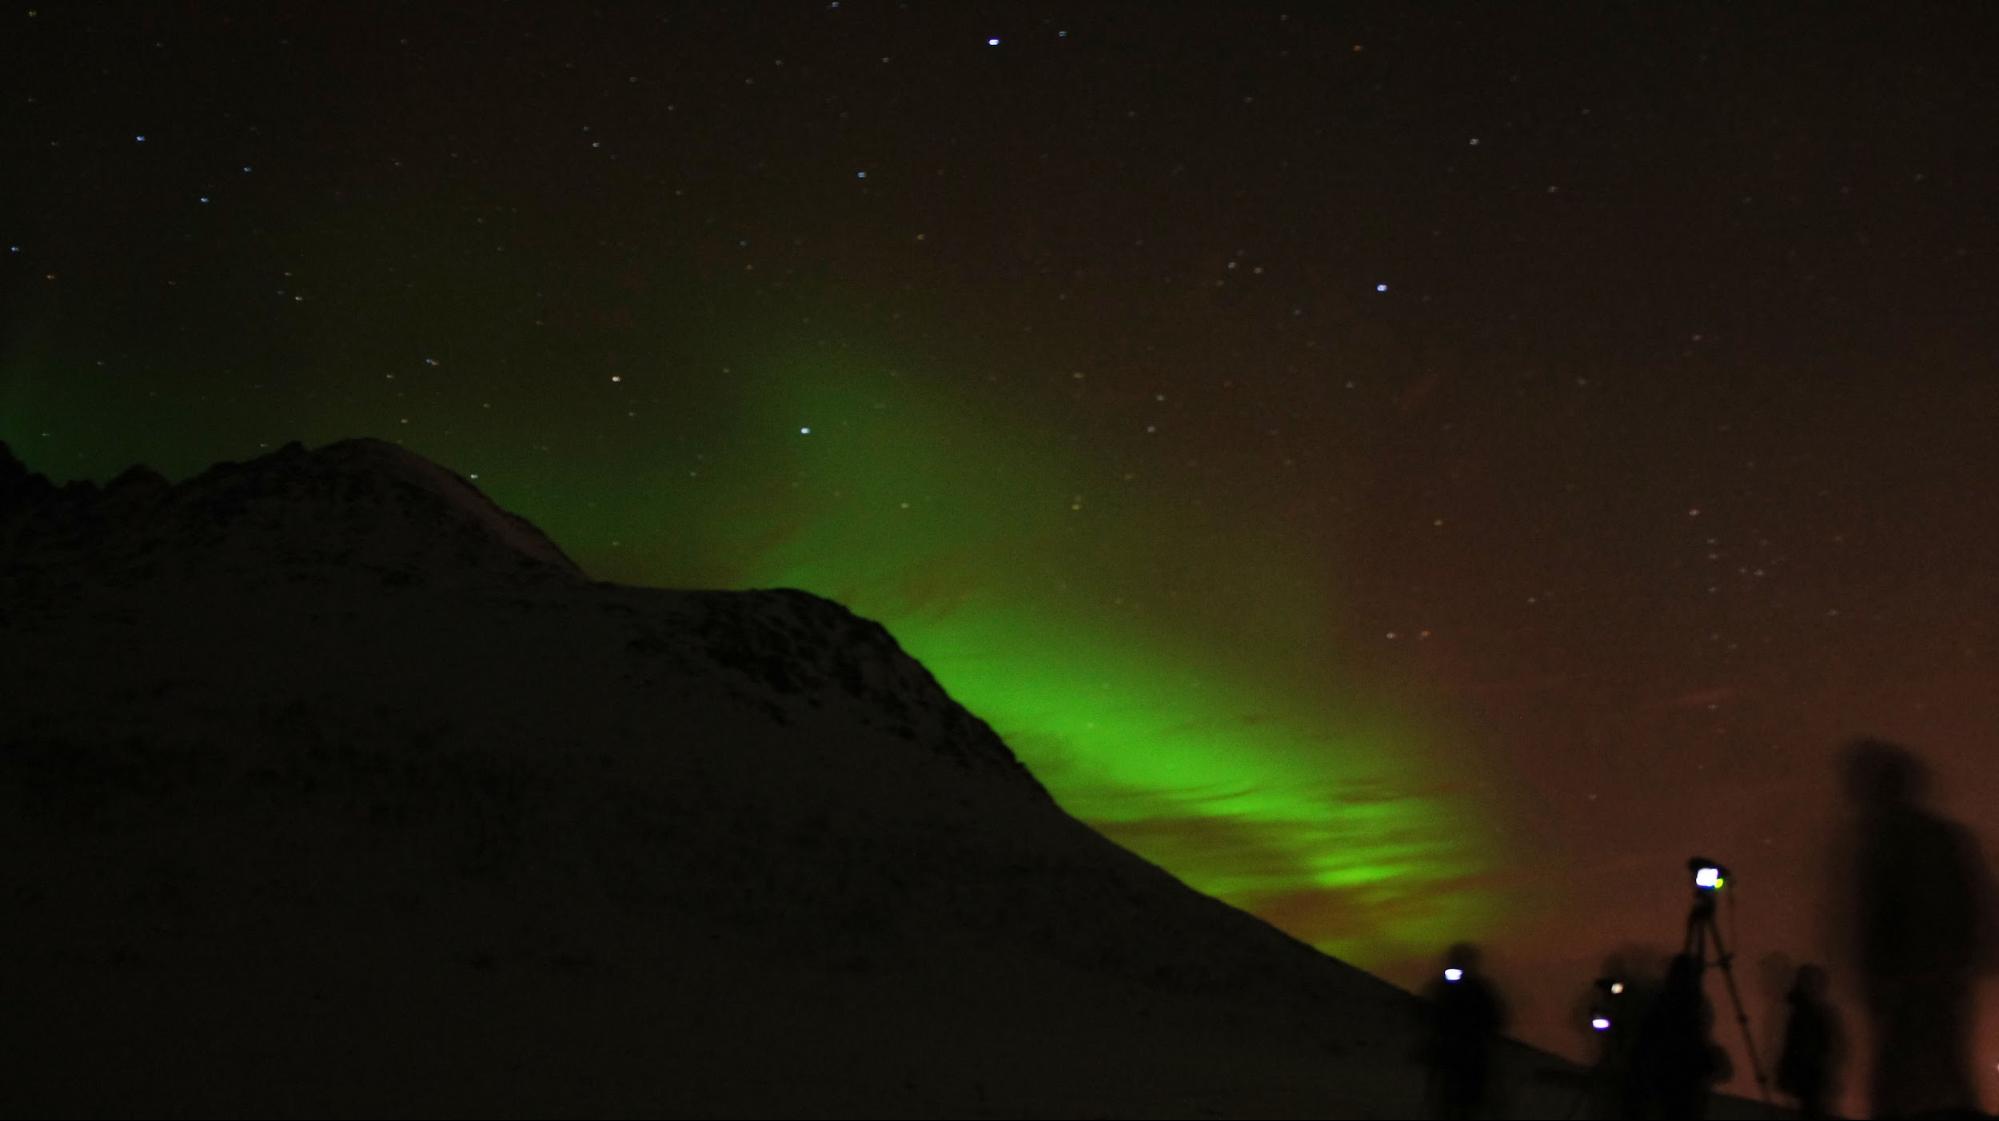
(356, 506)
(14, 476)
(328, 730)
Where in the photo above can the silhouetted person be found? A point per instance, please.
(1675, 1060)
(1919, 889)
(1612, 1012)
(1810, 1056)
(1466, 1017)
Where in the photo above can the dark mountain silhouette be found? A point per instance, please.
(331, 787)
(356, 508)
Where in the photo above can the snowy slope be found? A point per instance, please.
(330, 787)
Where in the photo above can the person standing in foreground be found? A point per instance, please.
(1922, 929)
(1466, 1017)
(1676, 1062)
(1811, 1044)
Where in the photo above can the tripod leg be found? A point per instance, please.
(1724, 960)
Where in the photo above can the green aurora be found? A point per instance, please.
(1175, 689)
(1184, 723)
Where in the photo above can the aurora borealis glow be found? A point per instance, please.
(1202, 730)
(1415, 473)
(1248, 777)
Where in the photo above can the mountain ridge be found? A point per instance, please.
(321, 817)
(419, 521)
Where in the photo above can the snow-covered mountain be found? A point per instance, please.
(331, 787)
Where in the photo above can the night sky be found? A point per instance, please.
(1416, 472)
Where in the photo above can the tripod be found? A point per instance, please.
(1702, 929)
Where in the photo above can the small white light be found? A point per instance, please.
(1616, 987)
(1454, 974)
(804, 430)
(1709, 877)
(1381, 287)
(993, 42)
(1600, 1023)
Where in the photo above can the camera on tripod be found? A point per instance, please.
(1709, 875)
(1703, 934)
